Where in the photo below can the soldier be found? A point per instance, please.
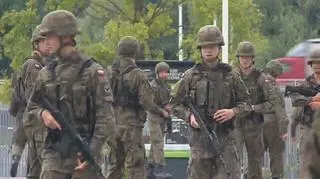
(303, 103)
(25, 81)
(249, 128)
(311, 144)
(133, 97)
(275, 126)
(157, 123)
(220, 95)
(80, 83)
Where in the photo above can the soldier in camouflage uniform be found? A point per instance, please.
(275, 125)
(133, 96)
(249, 128)
(313, 81)
(220, 95)
(25, 82)
(157, 123)
(76, 81)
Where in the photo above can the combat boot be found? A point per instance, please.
(159, 173)
(14, 165)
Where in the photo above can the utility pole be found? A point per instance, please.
(225, 30)
(180, 33)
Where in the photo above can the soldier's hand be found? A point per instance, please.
(223, 115)
(82, 165)
(284, 136)
(166, 114)
(168, 108)
(193, 121)
(49, 120)
(293, 139)
(316, 98)
(315, 105)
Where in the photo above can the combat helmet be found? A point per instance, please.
(275, 68)
(245, 48)
(36, 35)
(162, 66)
(314, 56)
(128, 46)
(209, 35)
(60, 22)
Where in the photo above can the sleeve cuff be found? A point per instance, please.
(187, 116)
(39, 113)
(235, 110)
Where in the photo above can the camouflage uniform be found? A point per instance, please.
(309, 146)
(25, 82)
(211, 88)
(275, 123)
(249, 128)
(157, 123)
(85, 88)
(133, 97)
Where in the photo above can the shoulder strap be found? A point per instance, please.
(85, 62)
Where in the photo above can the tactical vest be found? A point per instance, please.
(123, 96)
(211, 93)
(80, 100)
(162, 93)
(255, 90)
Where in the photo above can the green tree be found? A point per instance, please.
(284, 24)
(148, 21)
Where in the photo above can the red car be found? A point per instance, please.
(295, 63)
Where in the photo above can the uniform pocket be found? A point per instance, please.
(79, 101)
(201, 93)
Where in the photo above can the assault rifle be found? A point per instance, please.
(305, 91)
(68, 136)
(210, 136)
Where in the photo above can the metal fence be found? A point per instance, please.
(7, 124)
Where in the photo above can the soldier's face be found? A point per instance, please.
(163, 74)
(42, 48)
(245, 61)
(316, 67)
(52, 43)
(210, 52)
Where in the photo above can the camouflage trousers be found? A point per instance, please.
(212, 168)
(129, 153)
(304, 152)
(311, 147)
(19, 138)
(250, 136)
(273, 142)
(55, 166)
(157, 128)
(36, 140)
